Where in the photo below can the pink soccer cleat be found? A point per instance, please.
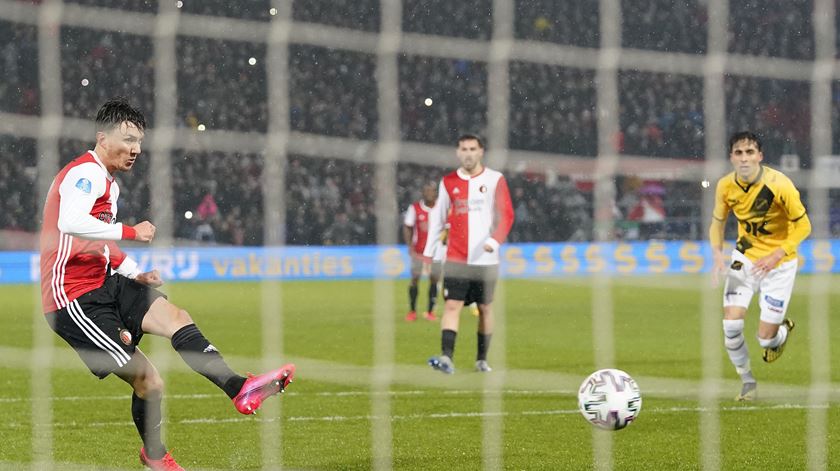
(258, 388)
(411, 316)
(167, 463)
(430, 316)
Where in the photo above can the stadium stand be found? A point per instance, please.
(334, 93)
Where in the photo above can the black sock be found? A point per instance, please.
(483, 345)
(447, 342)
(146, 415)
(432, 296)
(203, 357)
(412, 297)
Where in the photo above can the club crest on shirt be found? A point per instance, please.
(125, 336)
(483, 188)
(84, 185)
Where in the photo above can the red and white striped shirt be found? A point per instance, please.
(481, 213)
(78, 234)
(417, 218)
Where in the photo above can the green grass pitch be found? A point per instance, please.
(326, 418)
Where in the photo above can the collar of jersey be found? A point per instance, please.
(99, 161)
(425, 208)
(749, 185)
(464, 176)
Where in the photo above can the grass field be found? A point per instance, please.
(326, 418)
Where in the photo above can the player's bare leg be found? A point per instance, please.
(448, 333)
(147, 384)
(736, 348)
(485, 332)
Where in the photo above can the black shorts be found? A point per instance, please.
(105, 325)
(470, 283)
(417, 264)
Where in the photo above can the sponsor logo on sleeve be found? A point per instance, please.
(84, 185)
(773, 301)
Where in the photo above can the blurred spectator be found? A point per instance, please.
(572, 23)
(221, 84)
(333, 92)
(664, 25)
(778, 110)
(662, 114)
(18, 172)
(356, 14)
(552, 109)
(329, 202)
(223, 190)
(456, 93)
(244, 10)
(19, 92)
(471, 19)
(98, 65)
(780, 28)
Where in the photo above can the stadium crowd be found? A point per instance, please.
(222, 84)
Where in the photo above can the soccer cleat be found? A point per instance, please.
(167, 463)
(748, 392)
(772, 354)
(411, 316)
(482, 367)
(430, 316)
(443, 364)
(258, 388)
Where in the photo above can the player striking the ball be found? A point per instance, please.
(772, 222)
(99, 302)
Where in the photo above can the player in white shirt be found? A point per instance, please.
(474, 200)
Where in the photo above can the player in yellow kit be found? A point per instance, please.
(772, 222)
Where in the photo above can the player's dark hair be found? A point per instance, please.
(117, 111)
(471, 137)
(744, 136)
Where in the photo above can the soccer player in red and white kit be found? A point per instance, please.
(98, 301)
(480, 215)
(415, 231)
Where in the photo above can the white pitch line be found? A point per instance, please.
(442, 415)
(513, 392)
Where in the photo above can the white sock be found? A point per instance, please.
(736, 346)
(779, 339)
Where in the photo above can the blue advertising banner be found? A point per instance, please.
(367, 262)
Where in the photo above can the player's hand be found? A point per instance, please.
(145, 231)
(763, 265)
(150, 278)
(489, 248)
(718, 267)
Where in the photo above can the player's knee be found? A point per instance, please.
(182, 317)
(150, 386)
(733, 330)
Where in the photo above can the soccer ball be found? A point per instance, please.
(609, 399)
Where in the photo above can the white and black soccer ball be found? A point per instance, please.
(609, 399)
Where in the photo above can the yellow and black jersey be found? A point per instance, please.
(769, 211)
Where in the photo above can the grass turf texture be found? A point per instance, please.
(325, 419)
